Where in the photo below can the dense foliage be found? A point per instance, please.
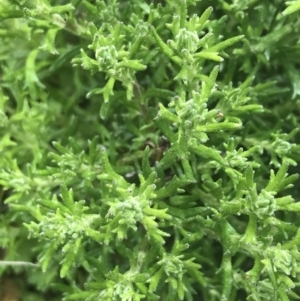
(149, 150)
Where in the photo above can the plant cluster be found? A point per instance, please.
(149, 149)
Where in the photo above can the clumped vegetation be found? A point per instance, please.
(149, 150)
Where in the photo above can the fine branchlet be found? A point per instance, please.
(150, 151)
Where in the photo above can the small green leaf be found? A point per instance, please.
(133, 64)
(165, 113)
(145, 163)
(207, 152)
(67, 196)
(164, 47)
(161, 214)
(214, 56)
(70, 258)
(183, 13)
(208, 85)
(49, 43)
(155, 279)
(215, 127)
(225, 44)
(203, 18)
(292, 8)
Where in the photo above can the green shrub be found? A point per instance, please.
(147, 148)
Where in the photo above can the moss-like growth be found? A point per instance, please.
(149, 150)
